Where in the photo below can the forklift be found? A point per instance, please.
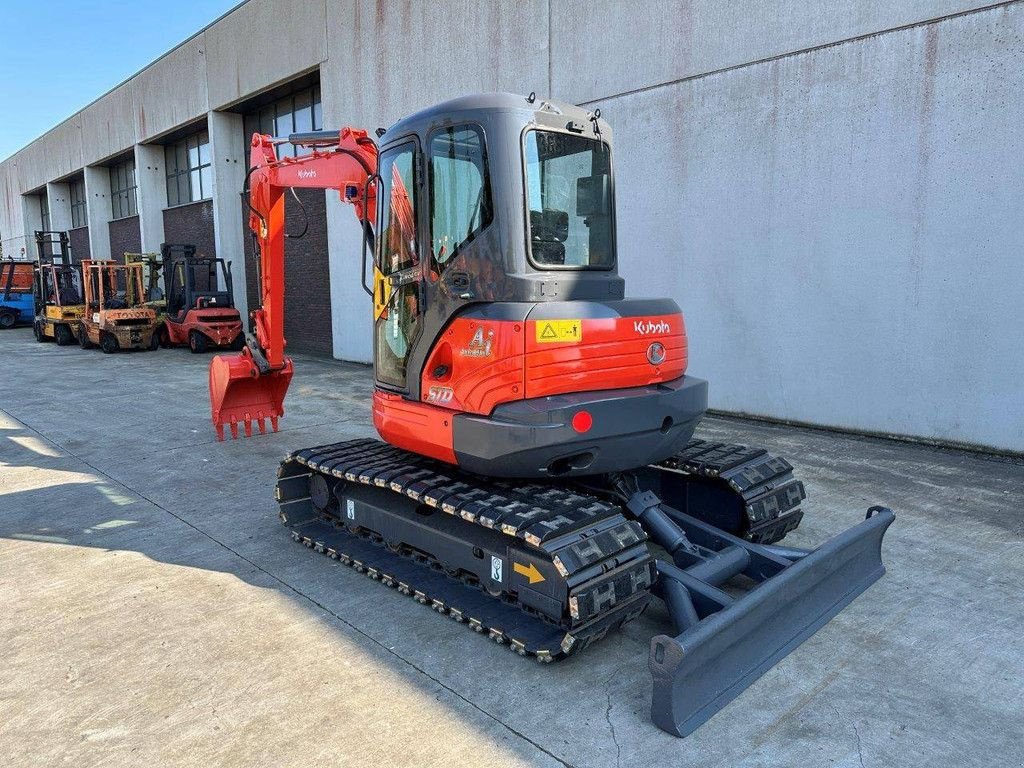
(56, 290)
(16, 304)
(199, 306)
(116, 316)
(152, 279)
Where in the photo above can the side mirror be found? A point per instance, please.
(593, 195)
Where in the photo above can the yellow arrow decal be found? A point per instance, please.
(529, 571)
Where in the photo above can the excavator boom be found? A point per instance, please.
(250, 386)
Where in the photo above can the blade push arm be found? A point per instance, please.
(344, 160)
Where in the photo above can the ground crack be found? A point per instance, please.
(608, 717)
(860, 754)
(856, 732)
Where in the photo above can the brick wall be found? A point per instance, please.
(307, 316)
(79, 240)
(192, 223)
(124, 237)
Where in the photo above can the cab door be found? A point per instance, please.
(397, 273)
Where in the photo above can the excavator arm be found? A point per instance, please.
(250, 386)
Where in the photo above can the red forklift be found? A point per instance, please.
(200, 308)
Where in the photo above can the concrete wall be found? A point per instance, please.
(457, 47)
(844, 243)
(832, 192)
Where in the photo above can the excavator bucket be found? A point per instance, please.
(240, 394)
(724, 643)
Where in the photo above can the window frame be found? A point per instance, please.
(414, 272)
(44, 212)
(78, 203)
(179, 151)
(435, 266)
(272, 112)
(123, 195)
(526, 205)
(396, 146)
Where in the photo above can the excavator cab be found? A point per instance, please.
(503, 341)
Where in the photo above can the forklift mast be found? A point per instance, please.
(58, 280)
(194, 281)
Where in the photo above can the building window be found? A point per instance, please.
(44, 213)
(79, 217)
(296, 113)
(189, 176)
(122, 190)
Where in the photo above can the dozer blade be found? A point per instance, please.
(240, 394)
(718, 657)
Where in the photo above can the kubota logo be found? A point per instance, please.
(307, 174)
(647, 327)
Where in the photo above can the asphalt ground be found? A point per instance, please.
(154, 611)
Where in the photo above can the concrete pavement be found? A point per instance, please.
(153, 610)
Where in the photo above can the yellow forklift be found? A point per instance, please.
(152, 279)
(56, 290)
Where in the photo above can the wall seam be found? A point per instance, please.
(789, 54)
(550, 52)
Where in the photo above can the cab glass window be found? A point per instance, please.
(460, 191)
(569, 196)
(396, 246)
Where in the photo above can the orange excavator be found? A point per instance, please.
(538, 479)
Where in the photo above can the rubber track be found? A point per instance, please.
(765, 484)
(580, 534)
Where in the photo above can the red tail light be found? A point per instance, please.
(582, 421)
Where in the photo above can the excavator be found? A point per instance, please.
(537, 478)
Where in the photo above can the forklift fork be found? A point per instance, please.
(724, 643)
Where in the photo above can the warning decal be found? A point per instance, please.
(563, 331)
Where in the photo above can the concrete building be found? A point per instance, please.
(834, 193)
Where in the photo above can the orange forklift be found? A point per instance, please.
(200, 309)
(115, 316)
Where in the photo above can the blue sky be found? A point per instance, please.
(57, 55)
